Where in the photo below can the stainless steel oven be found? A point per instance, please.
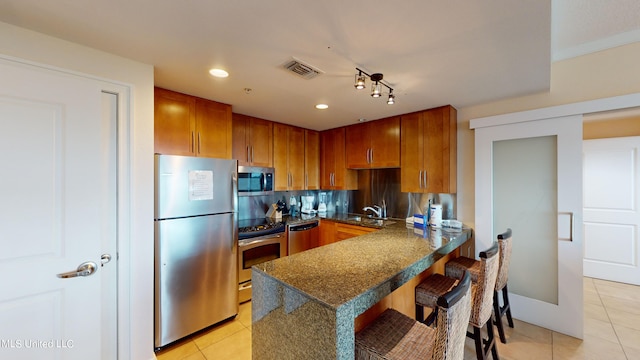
(256, 245)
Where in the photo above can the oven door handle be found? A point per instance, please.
(273, 239)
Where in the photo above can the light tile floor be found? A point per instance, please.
(611, 331)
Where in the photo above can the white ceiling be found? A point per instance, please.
(458, 52)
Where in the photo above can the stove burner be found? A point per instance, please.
(258, 227)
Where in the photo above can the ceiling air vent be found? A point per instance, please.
(301, 69)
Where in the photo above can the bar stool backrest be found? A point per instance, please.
(504, 240)
(482, 291)
(454, 308)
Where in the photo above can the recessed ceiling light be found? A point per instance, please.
(322, 106)
(218, 73)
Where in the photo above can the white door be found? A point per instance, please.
(57, 211)
(529, 179)
(611, 214)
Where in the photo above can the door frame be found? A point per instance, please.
(124, 200)
(484, 219)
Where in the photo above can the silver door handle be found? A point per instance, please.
(105, 258)
(84, 269)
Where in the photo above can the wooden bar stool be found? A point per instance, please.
(394, 335)
(457, 266)
(481, 300)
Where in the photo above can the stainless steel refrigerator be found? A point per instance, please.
(196, 244)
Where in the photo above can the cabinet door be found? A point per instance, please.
(174, 123)
(343, 178)
(358, 146)
(240, 129)
(288, 157)
(412, 153)
(385, 143)
(252, 141)
(346, 231)
(312, 159)
(327, 160)
(261, 142)
(280, 156)
(296, 158)
(213, 129)
(327, 232)
(440, 150)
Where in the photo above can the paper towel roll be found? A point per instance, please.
(436, 215)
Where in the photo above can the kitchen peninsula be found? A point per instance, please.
(304, 306)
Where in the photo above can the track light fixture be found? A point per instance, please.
(376, 85)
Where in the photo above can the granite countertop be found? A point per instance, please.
(380, 261)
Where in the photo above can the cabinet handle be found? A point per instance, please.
(199, 142)
(252, 154)
(425, 179)
(193, 140)
(371, 157)
(368, 162)
(420, 179)
(306, 180)
(248, 154)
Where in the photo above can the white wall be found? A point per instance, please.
(137, 261)
(599, 75)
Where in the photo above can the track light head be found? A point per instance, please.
(359, 81)
(392, 98)
(376, 89)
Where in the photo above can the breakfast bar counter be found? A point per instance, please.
(304, 306)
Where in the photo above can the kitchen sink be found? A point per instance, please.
(370, 221)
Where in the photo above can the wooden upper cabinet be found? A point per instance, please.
(333, 170)
(312, 159)
(374, 144)
(252, 141)
(288, 157)
(428, 151)
(191, 126)
(213, 129)
(174, 123)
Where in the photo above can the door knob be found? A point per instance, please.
(105, 258)
(84, 269)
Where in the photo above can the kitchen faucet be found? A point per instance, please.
(381, 212)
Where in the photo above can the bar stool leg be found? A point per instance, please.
(419, 313)
(491, 344)
(497, 312)
(477, 338)
(507, 307)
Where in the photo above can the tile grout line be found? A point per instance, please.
(609, 318)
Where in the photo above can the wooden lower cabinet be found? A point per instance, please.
(333, 231)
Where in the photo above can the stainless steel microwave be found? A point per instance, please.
(253, 180)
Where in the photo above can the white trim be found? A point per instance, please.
(584, 107)
(616, 40)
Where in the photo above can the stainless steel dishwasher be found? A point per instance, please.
(303, 236)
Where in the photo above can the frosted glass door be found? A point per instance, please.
(529, 179)
(524, 178)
